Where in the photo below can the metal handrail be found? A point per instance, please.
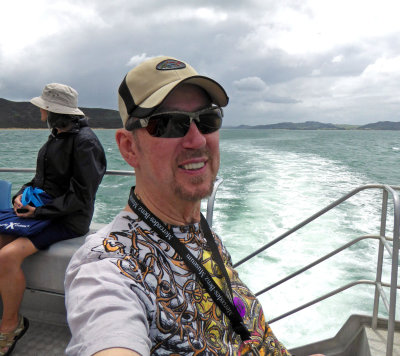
(311, 218)
(210, 201)
(325, 296)
(329, 255)
(394, 254)
(33, 170)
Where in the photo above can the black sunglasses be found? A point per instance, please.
(173, 124)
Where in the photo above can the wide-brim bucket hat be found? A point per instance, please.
(58, 98)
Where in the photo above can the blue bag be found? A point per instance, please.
(11, 224)
(34, 197)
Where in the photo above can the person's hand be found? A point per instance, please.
(17, 203)
(29, 213)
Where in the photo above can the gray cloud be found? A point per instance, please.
(277, 61)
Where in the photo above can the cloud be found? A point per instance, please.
(249, 84)
(187, 13)
(137, 59)
(256, 90)
(26, 23)
(337, 59)
(278, 61)
(384, 66)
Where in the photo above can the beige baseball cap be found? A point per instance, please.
(146, 86)
(58, 98)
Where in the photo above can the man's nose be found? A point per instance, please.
(193, 138)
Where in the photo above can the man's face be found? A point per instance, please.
(179, 168)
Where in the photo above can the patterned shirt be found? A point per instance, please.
(126, 287)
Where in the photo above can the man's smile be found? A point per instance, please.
(193, 166)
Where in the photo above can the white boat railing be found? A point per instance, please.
(33, 170)
(210, 202)
(393, 252)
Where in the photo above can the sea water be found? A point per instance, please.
(273, 180)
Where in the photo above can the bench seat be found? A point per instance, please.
(45, 270)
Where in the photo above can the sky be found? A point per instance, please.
(301, 60)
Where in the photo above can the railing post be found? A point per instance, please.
(378, 277)
(211, 200)
(395, 268)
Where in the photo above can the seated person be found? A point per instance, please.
(70, 167)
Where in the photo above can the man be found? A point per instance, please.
(157, 280)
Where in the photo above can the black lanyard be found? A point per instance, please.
(212, 288)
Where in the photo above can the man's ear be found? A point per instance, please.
(127, 146)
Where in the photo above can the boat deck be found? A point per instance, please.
(43, 339)
(355, 338)
(377, 341)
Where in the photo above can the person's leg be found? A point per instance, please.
(5, 240)
(12, 279)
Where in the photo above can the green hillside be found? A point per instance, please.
(24, 115)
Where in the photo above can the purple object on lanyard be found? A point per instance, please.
(239, 306)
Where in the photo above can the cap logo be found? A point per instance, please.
(170, 64)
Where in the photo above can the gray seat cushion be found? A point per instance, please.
(45, 270)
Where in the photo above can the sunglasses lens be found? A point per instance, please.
(174, 125)
(209, 122)
(168, 125)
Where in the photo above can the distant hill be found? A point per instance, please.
(381, 125)
(314, 125)
(308, 125)
(24, 115)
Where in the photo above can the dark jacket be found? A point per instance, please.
(70, 167)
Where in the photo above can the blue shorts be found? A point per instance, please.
(51, 234)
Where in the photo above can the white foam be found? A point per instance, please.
(284, 188)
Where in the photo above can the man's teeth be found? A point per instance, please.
(197, 165)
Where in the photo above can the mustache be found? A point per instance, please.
(189, 154)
